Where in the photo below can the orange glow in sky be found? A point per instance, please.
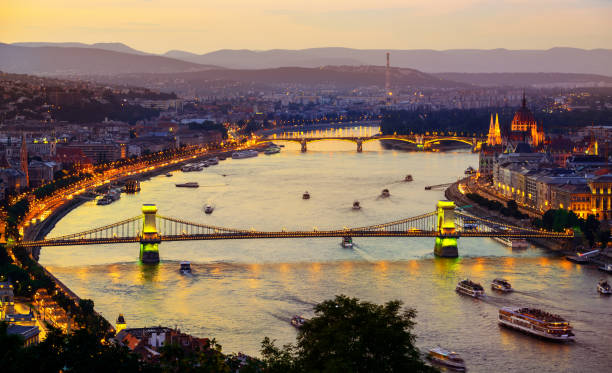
(202, 26)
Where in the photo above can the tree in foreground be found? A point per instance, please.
(347, 335)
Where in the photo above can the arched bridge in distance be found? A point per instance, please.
(421, 141)
(446, 224)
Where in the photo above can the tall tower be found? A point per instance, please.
(23, 160)
(498, 138)
(388, 92)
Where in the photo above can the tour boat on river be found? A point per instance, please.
(502, 285)
(306, 195)
(356, 205)
(347, 242)
(604, 288)
(447, 358)
(298, 321)
(208, 209)
(468, 287)
(536, 322)
(408, 178)
(385, 193)
(191, 184)
(185, 268)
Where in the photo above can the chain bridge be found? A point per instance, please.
(446, 224)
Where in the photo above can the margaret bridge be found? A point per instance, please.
(420, 141)
(446, 224)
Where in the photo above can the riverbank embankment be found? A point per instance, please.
(453, 193)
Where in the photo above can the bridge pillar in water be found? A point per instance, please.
(359, 145)
(149, 238)
(303, 143)
(446, 240)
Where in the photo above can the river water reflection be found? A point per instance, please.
(244, 290)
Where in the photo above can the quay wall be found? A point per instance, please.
(452, 193)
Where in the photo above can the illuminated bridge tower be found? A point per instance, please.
(149, 238)
(446, 240)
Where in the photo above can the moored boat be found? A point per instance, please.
(191, 184)
(297, 321)
(447, 358)
(606, 267)
(244, 154)
(536, 322)
(356, 205)
(272, 150)
(168, 174)
(105, 200)
(132, 186)
(213, 161)
(502, 285)
(468, 287)
(185, 268)
(604, 288)
(470, 170)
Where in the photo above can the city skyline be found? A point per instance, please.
(160, 26)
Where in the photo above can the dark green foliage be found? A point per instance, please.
(348, 335)
(49, 189)
(209, 126)
(80, 351)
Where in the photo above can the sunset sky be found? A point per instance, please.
(202, 26)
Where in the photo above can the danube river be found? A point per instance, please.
(244, 290)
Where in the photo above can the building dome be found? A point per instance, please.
(523, 119)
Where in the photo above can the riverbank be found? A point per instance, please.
(453, 193)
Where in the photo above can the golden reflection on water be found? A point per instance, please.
(82, 273)
(413, 267)
(114, 273)
(509, 262)
(148, 273)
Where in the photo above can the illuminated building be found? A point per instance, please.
(494, 136)
(524, 127)
(120, 324)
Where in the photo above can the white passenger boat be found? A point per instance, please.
(468, 287)
(447, 358)
(514, 243)
(536, 322)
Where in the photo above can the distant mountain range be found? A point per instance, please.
(529, 79)
(69, 60)
(337, 76)
(560, 60)
(118, 58)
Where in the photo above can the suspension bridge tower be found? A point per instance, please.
(149, 238)
(446, 240)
